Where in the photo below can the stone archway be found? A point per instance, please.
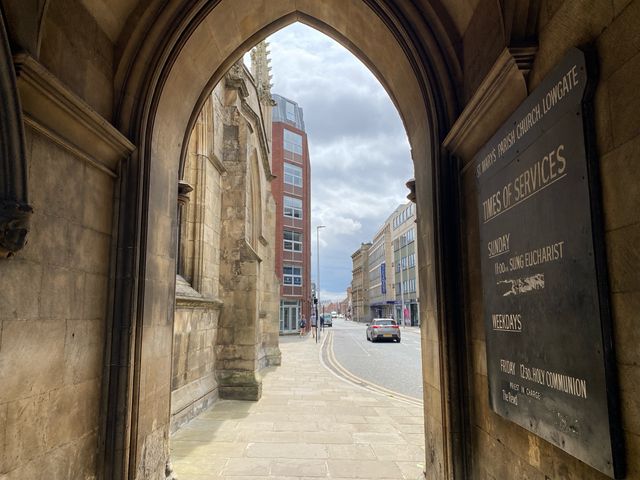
(97, 81)
(158, 105)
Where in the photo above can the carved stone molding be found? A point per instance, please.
(237, 78)
(411, 185)
(524, 55)
(14, 204)
(186, 296)
(53, 110)
(501, 91)
(184, 189)
(14, 226)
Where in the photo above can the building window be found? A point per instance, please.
(292, 241)
(292, 174)
(292, 142)
(292, 275)
(290, 111)
(292, 207)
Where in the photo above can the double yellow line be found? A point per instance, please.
(333, 364)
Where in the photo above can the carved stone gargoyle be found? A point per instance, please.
(14, 226)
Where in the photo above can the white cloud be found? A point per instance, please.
(360, 156)
(329, 296)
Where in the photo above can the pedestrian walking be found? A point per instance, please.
(302, 325)
(314, 325)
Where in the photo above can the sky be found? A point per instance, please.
(360, 155)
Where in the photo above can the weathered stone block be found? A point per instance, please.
(50, 192)
(4, 408)
(25, 437)
(632, 445)
(94, 304)
(241, 392)
(61, 294)
(630, 396)
(574, 23)
(625, 102)
(98, 198)
(31, 357)
(620, 41)
(83, 351)
(626, 328)
(71, 413)
(624, 258)
(480, 50)
(49, 240)
(90, 250)
(16, 301)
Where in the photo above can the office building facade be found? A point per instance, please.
(381, 296)
(405, 264)
(360, 284)
(292, 192)
(385, 272)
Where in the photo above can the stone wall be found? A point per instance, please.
(193, 380)
(194, 386)
(226, 324)
(79, 53)
(53, 320)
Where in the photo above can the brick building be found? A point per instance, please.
(292, 193)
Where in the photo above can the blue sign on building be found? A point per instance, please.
(383, 279)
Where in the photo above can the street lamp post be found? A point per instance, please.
(318, 272)
(402, 282)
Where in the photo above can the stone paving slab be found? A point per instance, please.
(309, 424)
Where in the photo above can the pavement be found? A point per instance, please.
(309, 424)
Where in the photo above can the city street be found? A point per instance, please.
(388, 367)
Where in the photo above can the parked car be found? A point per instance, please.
(328, 320)
(383, 328)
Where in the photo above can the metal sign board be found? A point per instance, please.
(549, 351)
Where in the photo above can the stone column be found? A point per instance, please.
(239, 272)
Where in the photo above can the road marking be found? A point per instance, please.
(352, 337)
(342, 372)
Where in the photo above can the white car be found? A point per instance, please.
(383, 329)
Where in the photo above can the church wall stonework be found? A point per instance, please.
(53, 332)
(226, 305)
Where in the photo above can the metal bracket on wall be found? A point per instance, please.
(15, 210)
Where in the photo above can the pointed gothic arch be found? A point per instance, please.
(175, 91)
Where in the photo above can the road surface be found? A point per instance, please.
(393, 367)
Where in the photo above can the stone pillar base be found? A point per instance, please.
(239, 385)
(274, 357)
(244, 392)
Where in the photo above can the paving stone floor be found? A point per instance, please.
(309, 424)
